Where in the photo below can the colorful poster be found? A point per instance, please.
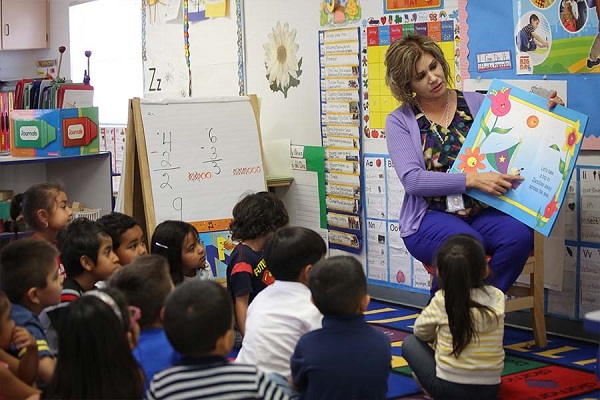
(379, 33)
(557, 36)
(407, 5)
(515, 133)
(339, 12)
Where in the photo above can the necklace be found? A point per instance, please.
(444, 121)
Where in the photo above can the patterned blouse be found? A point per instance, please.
(441, 147)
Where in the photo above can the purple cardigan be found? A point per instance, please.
(406, 151)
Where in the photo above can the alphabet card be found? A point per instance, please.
(516, 133)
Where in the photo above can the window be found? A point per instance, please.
(112, 31)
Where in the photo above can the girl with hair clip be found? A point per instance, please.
(45, 209)
(178, 242)
(95, 341)
(456, 350)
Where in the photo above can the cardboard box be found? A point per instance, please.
(54, 132)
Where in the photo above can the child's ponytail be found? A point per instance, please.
(15, 212)
(461, 266)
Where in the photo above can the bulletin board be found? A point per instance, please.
(484, 17)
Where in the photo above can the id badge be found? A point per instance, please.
(455, 203)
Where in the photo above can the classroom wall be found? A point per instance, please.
(21, 63)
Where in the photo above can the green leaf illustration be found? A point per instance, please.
(484, 127)
(561, 166)
(501, 130)
(555, 147)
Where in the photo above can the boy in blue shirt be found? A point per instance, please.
(29, 276)
(146, 283)
(347, 358)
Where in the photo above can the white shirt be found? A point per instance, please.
(276, 319)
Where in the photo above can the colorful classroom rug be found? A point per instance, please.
(563, 370)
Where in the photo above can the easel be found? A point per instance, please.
(138, 197)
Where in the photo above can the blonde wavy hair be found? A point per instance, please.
(401, 60)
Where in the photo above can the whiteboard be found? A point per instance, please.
(203, 155)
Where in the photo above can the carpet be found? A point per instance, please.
(563, 370)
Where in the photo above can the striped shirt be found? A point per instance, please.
(482, 361)
(212, 378)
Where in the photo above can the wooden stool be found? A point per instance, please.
(528, 296)
(532, 296)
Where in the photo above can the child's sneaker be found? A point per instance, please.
(427, 396)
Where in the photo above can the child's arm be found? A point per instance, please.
(46, 369)
(541, 41)
(13, 387)
(241, 310)
(28, 364)
(425, 327)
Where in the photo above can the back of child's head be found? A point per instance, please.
(81, 238)
(197, 314)
(41, 196)
(95, 355)
(461, 263)
(461, 266)
(146, 284)
(168, 240)
(256, 215)
(26, 264)
(338, 286)
(117, 224)
(290, 249)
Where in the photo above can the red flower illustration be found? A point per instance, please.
(500, 102)
(471, 160)
(551, 208)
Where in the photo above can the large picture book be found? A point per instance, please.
(515, 132)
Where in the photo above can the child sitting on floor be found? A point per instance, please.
(456, 350)
(347, 358)
(199, 325)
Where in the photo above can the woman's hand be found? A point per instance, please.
(553, 100)
(491, 182)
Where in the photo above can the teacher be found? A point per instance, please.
(424, 136)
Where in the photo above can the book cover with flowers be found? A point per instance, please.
(514, 132)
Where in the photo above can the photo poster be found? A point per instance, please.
(515, 133)
(581, 276)
(379, 32)
(339, 62)
(562, 42)
(388, 261)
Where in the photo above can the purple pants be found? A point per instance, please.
(508, 241)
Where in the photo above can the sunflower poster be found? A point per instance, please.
(514, 132)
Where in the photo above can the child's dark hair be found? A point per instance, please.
(257, 214)
(116, 224)
(338, 285)
(197, 314)
(4, 302)
(146, 284)
(95, 328)
(290, 249)
(82, 237)
(25, 264)
(533, 17)
(41, 196)
(168, 241)
(461, 266)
